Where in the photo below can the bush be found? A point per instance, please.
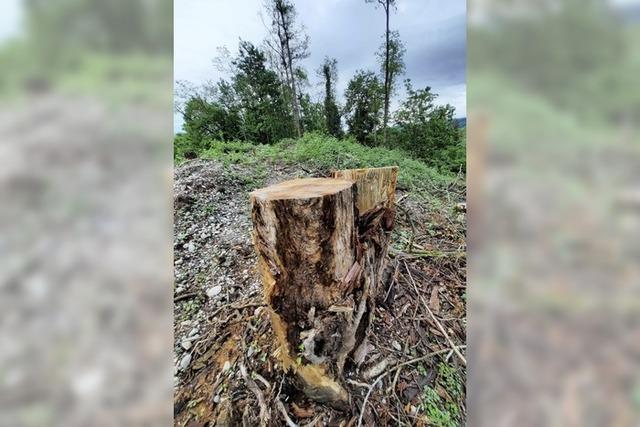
(428, 131)
(322, 154)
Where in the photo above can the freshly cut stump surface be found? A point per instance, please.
(375, 186)
(317, 256)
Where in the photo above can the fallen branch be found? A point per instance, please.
(426, 254)
(264, 411)
(185, 296)
(435, 319)
(366, 398)
(237, 306)
(395, 368)
(283, 411)
(425, 357)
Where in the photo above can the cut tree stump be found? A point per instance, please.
(321, 258)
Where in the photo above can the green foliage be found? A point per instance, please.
(432, 405)
(429, 131)
(575, 54)
(113, 50)
(266, 117)
(252, 107)
(329, 73)
(186, 148)
(312, 115)
(363, 106)
(211, 120)
(324, 154)
(444, 411)
(332, 118)
(395, 62)
(450, 380)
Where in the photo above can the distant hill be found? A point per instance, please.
(461, 122)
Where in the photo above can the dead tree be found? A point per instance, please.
(322, 245)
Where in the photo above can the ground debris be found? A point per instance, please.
(232, 330)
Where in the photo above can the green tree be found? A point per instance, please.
(251, 107)
(210, 120)
(312, 114)
(290, 44)
(387, 62)
(265, 115)
(363, 104)
(391, 58)
(329, 72)
(429, 131)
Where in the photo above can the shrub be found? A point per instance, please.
(324, 154)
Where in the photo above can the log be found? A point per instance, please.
(319, 258)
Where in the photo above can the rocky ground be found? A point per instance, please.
(225, 372)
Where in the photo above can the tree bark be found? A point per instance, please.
(296, 101)
(321, 258)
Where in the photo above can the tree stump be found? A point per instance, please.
(320, 259)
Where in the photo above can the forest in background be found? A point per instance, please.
(267, 99)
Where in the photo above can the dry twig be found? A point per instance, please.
(185, 296)
(283, 411)
(366, 398)
(264, 411)
(395, 368)
(435, 319)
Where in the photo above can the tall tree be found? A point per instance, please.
(364, 96)
(429, 131)
(391, 58)
(329, 73)
(312, 114)
(386, 5)
(290, 45)
(265, 115)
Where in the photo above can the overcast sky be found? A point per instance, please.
(433, 31)
(10, 19)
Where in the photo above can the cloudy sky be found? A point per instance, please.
(10, 19)
(349, 30)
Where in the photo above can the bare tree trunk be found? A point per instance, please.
(387, 77)
(322, 245)
(287, 60)
(294, 91)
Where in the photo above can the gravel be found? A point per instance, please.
(214, 258)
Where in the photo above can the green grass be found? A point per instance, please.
(321, 154)
(444, 411)
(138, 78)
(523, 121)
(117, 79)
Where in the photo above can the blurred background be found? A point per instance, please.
(85, 225)
(554, 212)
